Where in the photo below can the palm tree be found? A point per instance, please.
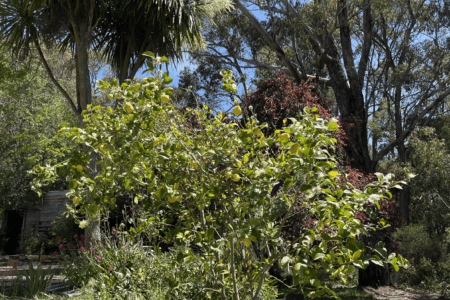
(160, 27)
(121, 30)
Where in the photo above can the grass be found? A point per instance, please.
(353, 293)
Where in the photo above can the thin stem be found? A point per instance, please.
(233, 272)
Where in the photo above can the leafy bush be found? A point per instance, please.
(415, 243)
(211, 188)
(121, 268)
(430, 192)
(29, 243)
(428, 275)
(430, 259)
(66, 228)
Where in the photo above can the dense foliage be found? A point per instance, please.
(425, 240)
(30, 113)
(209, 187)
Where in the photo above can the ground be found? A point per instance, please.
(392, 293)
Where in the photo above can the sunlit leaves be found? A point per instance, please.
(212, 185)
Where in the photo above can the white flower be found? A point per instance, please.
(83, 224)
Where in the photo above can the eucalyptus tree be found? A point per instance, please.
(233, 43)
(365, 51)
(372, 54)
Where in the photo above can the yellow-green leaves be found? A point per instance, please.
(227, 185)
(333, 173)
(357, 254)
(76, 200)
(333, 126)
(237, 111)
(284, 137)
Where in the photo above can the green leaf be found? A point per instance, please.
(333, 173)
(167, 80)
(254, 221)
(284, 261)
(333, 126)
(396, 267)
(318, 256)
(309, 194)
(149, 54)
(357, 254)
(209, 234)
(305, 187)
(323, 246)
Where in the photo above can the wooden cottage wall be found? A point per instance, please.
(32, 219)
(53, 204)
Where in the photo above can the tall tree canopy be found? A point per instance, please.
(371, 54)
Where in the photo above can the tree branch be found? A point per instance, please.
(55, 82)
(368, 37)
(280, 53)
(411, 127)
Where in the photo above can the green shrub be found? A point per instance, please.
(122, 268)
(66, 228)
(428, 275)
(209, 182)
(430, 258)
(415, 243)
(29, 243)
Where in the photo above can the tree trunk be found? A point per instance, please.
(84, 92)
(404, 201)
(350, 100)
(82, 24)
(404, 198)
(93, 232)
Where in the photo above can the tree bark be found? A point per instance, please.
(82, 20)
(84, 92)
